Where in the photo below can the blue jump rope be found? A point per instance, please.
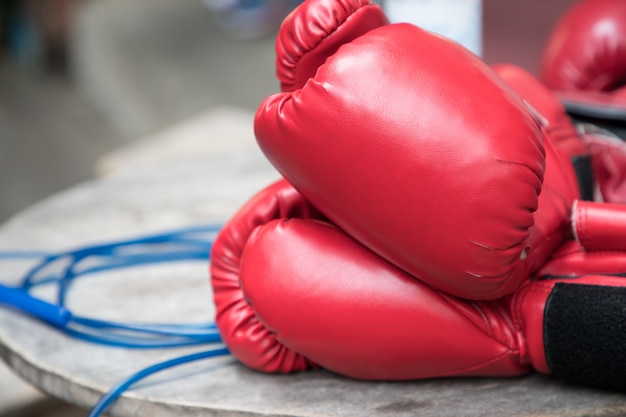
(181, 245)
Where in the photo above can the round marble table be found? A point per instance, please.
(197, 190)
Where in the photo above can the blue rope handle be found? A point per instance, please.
(188, 245)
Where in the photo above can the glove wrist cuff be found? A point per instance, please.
(584, 334)
(599, 226)
(528, 314)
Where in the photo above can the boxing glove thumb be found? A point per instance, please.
(315, 30)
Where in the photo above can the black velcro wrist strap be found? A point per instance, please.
(585, 334)
(584, 175)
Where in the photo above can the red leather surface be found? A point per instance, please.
(608, 157)
(295, 292)
(600, 226)
(560, 187)
(587, 50)
(315, 32)
(326, 296)
(572, 260)
(560, 129)
(246, 337)
(415, 147)
(426, 156)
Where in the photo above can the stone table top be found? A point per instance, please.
(195, 190)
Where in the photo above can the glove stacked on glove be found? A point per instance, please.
(294, 292)
(423, 197)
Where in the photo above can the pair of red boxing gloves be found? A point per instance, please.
(434, 218)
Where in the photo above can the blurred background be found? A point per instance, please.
(81, 78)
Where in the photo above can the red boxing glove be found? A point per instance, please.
(417, 149)
(560, 131)
(294, 291)
(598, 157)
(246, 337)
(585, 60)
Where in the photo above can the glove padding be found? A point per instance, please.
(568, 143)
(247, 338)
(293, 292)
(315, 32)
(418, 150)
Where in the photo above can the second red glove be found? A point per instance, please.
(293, 292)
